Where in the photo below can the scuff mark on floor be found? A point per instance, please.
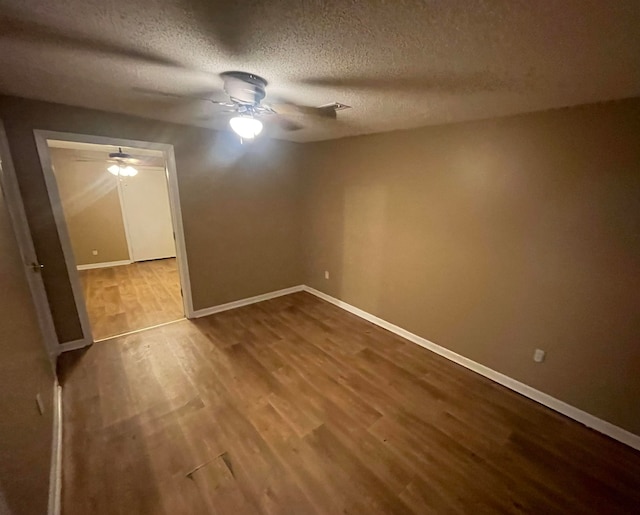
(190, 474)
(225, 458)
(227, 462)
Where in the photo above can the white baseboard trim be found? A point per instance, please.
(55, 474)
(106, 264)
(602, 426)
(245, 302)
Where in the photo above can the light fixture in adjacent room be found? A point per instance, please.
(246, 127)
(120, 170)
(120, 166)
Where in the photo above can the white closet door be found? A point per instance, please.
(145, 199)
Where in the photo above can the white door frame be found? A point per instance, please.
(41, 137)
(13, 200)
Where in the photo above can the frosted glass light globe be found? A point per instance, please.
(245, 127)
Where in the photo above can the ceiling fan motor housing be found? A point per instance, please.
(244, 88)
(119, 155)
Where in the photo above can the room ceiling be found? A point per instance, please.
(399, 64)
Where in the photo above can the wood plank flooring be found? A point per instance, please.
(130, 297)
(293, 406)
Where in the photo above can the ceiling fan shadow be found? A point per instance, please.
(434, 83)
(203, 96)
(19, 29)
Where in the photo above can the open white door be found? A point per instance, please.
(145, 202)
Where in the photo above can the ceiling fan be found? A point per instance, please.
(123, 164)
(246, 92)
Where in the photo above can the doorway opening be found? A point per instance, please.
(117, 211)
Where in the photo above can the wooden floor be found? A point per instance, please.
(129, 297)
(293, 406)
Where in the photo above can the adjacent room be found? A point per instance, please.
(117, 215)
(319, 257)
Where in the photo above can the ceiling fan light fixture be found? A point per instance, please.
(245, 126)
(122, 171)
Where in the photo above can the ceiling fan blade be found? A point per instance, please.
(146, 166)
(218, 114)
(203, 97)
(435, 82)
(144, 162)
(17, 28)
(133, 160)
(288, 109)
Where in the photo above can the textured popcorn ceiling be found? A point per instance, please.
(400, 64)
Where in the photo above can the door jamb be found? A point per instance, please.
(41, 137)
(65, 243)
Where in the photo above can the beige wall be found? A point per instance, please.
(25, 371)
(240, 203)
(495, 238)
(91, 205)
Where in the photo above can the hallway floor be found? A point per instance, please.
(130, 297)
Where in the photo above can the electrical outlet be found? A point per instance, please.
(94, 252)
(39, 403)
(326, 274)
(538, 355)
